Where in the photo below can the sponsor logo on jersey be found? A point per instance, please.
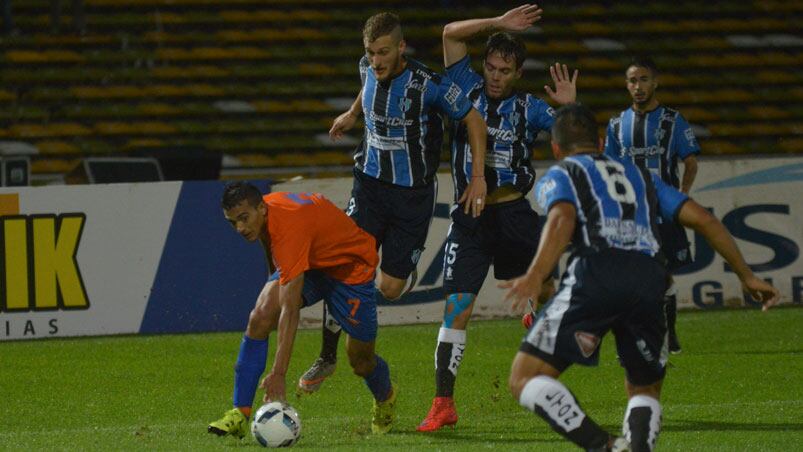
(647, 151)
(391, 121)
(502, 134)
(417, 85)
(452, 94)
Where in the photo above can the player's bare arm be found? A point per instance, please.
(689, 173)
(565, 91)
(346, 121)
(290, 301)
(473, 198)
(455, 34)
(555, 238)
(701, 220)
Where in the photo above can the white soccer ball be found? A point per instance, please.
(276, 424)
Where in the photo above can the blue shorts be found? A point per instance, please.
(352, 305)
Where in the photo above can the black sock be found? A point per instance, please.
(331, 335)
(671, 303)
(642, 423)
(448, 356)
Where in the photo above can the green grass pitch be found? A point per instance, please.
(738, 385)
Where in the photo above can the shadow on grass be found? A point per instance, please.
(692, 425)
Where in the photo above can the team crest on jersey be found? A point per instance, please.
(514, 119)
(659, 134)
(587, 342)
(404, 104)
(416, 255)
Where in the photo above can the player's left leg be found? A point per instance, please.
(642, 349)
(354, 307)
(642, 422)
(465, 266)
(671, 307)
(534, 383)
(675, 246)
(374, 370)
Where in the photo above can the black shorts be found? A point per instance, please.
(398, 218)
(614, 290)
(505, 235)
(675, 245)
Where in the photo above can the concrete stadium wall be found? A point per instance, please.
(160, 258)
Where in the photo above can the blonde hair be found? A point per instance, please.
(382, 24)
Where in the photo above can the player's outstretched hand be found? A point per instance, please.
(473, 198)
(761, 291)
(274, 386)
(565, 88)
(342, 123)
(519, 19)
(522, 289)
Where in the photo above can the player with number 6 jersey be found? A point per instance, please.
(607, 211)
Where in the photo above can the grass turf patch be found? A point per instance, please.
(736, 386)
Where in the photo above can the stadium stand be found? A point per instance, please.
(261, 81)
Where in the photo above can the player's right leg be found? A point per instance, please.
(568, 330)
(250, 362)
(354, 307)
(465, 267)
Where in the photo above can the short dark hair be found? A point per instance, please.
(645, 62)
(575, 126)
(507, 45)
(379, 25)
(237, 192)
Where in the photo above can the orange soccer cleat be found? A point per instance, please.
(442, 413)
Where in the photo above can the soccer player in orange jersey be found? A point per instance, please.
(314, 251)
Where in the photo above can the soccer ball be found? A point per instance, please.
(276, 424)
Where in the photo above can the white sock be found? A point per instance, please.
(553, 401)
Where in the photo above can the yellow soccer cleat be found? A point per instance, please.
(232, 423)
(384, 413)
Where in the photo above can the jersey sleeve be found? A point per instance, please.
(364, 67)
(684, 141)
(555, 186)
(291, 254)
(451, 99)
(670, 200)
(540, 116)
(612, 146)
(463, 75)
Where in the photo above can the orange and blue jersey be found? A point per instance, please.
(308, 232)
